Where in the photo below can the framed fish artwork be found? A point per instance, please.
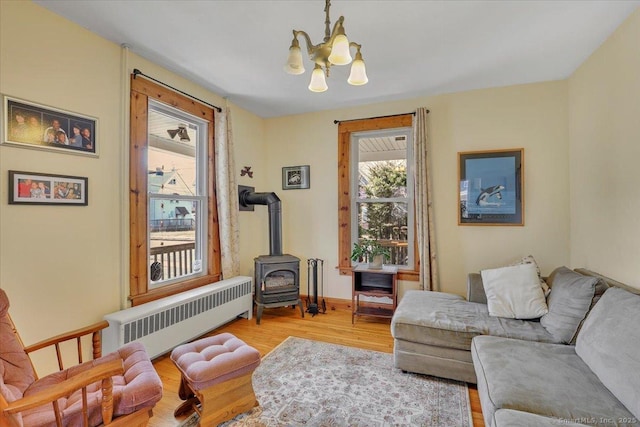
(491, 188)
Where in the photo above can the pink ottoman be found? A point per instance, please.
(216, 373)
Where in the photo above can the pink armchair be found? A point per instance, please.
(118, 389)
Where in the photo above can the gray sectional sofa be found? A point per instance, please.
(578, 365)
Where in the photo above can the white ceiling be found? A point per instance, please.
(411, 48)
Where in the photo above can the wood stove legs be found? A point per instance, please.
(292, 303)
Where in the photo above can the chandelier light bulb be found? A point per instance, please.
(358, 75)
(318, 82)
(294, 63)
(340, 54)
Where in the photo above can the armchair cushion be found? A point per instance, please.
(16, 371)
(138, 388)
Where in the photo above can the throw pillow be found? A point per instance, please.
(529, 259)
(514, 292)
(571, 297)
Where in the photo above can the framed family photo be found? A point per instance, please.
(30, 125)
(32, 188)
(491, 191)
(295, 177)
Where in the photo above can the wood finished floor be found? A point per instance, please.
(278, 324)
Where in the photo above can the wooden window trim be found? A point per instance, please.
(345, 129)
(141, 91)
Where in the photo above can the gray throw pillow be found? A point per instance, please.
(572, 296)
(608, 344)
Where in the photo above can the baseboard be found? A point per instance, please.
(340, 304)
(332, 303)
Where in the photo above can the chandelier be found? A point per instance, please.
(334, 50)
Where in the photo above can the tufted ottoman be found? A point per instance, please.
(216, 373)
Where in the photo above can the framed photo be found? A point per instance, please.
(30, 125)
(32, 188)
(491, 190)
(295, 177)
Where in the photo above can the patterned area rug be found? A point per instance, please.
(312, 384)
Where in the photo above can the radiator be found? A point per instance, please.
(161, 325)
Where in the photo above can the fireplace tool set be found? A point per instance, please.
(313, 304)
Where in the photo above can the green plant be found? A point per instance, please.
(366, 249)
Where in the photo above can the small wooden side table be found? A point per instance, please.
(379, 283)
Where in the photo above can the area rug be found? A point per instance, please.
(312, 384)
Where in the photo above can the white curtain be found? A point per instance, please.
(424, 204)
(227, 195)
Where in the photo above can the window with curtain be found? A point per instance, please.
(174, 239)
(376, 190)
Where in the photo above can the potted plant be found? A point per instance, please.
(370, 251)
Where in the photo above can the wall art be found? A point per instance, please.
(30, 125)
(33, 188)
(491, 190)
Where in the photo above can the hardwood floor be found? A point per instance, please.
(276, 325)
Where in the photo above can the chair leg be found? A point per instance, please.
(223, 401)
(190, 400)
(186, 406)
(184, 392)
(139, 418)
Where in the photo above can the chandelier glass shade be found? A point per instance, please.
(335, 49)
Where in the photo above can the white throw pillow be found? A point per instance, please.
(529, 259)
(514, 292)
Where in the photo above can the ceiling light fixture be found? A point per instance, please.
(334, 50)
(181, 132)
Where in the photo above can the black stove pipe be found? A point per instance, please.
(275, 216)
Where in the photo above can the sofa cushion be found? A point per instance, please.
(572, 295)
(512, 418)
(544, 379)
(448, 320)
(514, 292)
(609, 344)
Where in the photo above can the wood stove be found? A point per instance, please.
(277, 280)
(277, 275)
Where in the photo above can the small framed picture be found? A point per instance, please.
(295, 177)
(31, 125)
(491, 188)
(32, 188)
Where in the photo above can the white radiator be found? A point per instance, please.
(163, 324)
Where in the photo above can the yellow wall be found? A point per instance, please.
(530, 116)
(604, 105)
(64, 267)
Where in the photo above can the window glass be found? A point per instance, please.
(383, 196)
(176, 196)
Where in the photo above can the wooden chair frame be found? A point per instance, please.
(102, 372)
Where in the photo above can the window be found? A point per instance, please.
(176, 174)
(382, 192)
(174, 242)
(376, 190)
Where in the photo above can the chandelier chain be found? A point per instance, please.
(327, 22)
